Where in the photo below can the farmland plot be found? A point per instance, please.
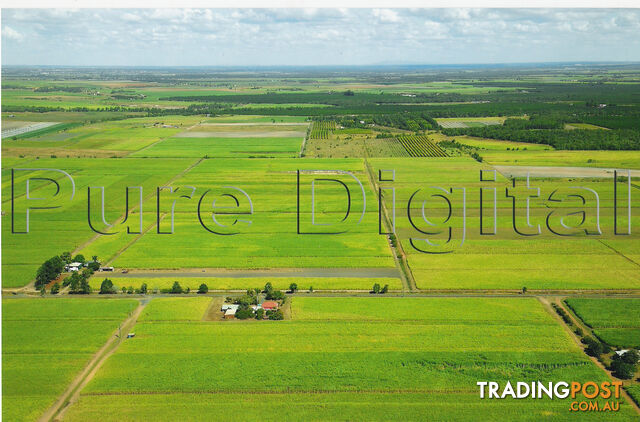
(505, 260)
(66, 228)
(45, 343)
(615, 321)
(268, 238)
(399, 364)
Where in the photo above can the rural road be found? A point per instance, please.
(546, 303)
(72, 393)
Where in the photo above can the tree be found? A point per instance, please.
(524, 290)
(275, 295)
(631, 357)
(55, 289)
(124, 290)
(622, 370)
(203, 289)
(385, 289)
(94, 266)
(74, 283)
(143, 289)
(594, 347)
(85, 288)
(293, 287)
(94, 258)
(310, 289)
(257, 290)
(275, 315)
(130, 290)
(268, 287)
(49, 270)
(244, 312)
(376, 288)
(107, 287)
(66, 257)
(176, 288)
(79, 258)
(260, 313)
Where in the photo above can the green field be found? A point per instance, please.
(45, 344)
(366, 355)
(615, 321)
(505, 260)
(229, 283)
(53, 232)
(271, 239)
(335, 179)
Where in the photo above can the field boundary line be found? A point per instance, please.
(70, 395)
(619, 253)
(304, 140)
(546, 303)
(399, 256)
(133, 241)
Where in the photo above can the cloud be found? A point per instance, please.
(386, 15)
(11, 34)
(316, 36)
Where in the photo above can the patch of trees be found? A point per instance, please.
(563, 314)
(595, 348)
(78, 282)
(576, 139)
(107, 287)
(415, 121)
(60, 88)
(272, 294)
(49, 271)
(376, 289)
(625, 366)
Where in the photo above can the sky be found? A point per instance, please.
(272, 37)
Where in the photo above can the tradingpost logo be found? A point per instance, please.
(585, 397)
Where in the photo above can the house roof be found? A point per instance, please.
(231, 311)
(228, 306)
(269, 304)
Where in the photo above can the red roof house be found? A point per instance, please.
(269, 305)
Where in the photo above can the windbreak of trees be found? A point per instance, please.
(577, 139)
(59, 88)
(408, 121)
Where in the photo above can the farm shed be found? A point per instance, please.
(230, 313)
(228, 306)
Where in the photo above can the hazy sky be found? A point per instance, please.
(191, 37)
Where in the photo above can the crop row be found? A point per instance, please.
(420, 146)
(322, 128)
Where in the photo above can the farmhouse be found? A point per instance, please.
(269, 305)
(74, 266)
(109, 269)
